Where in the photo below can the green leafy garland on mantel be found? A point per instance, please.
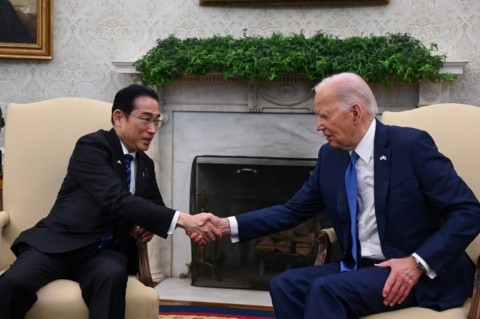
(388, 59)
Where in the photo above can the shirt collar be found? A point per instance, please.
(125, 151)
(364, 149)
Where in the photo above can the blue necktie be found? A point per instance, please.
(128, 161)
(351, 186)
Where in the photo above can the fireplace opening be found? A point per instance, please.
(226, 186)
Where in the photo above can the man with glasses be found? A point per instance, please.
(104, 199)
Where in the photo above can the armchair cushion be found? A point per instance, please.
(62, 299)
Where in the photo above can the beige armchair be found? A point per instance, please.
(456, 131)
(39, 138)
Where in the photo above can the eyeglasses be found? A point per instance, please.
(147, 121)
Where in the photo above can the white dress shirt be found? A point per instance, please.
(366, 219)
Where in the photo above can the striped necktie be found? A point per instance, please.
(128, 161)
(351, 186)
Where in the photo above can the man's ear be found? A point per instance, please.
(117, 116)
(357, 112)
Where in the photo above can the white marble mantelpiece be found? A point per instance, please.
(211, 116)
(433, 93)
(429, 93)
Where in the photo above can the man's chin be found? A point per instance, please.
(144, 147)
(333, 144)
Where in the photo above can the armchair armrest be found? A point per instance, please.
(325, 238)
(474, 312)
(4, 219)
(144, 274)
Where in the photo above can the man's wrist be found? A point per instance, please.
(225, 227)
(419, 265)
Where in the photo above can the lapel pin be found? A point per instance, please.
(383, 158)
(119, 162)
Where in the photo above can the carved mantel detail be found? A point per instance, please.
(289, 94)
(433, 93)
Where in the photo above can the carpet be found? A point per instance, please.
(199, 310)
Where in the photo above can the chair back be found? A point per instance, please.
(456, 131)
(39, 139)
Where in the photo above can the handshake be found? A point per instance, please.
(204, 227)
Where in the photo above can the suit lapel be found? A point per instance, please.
(382, 164)
(118, 156)
(141, 175)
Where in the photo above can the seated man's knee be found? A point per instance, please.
(111, 270)
(282, 280)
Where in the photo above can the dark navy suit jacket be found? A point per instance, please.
(421, 206)
(94, 201)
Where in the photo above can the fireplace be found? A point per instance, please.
(230, 185)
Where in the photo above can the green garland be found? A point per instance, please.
(387, 60)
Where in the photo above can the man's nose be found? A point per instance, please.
(320, 125)
(152, 128)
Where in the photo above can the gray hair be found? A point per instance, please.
(350, 89)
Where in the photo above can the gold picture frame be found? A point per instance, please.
(26, 29)
(292, 2)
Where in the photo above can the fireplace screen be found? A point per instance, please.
(228, 186)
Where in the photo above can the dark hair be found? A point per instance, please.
(125, 98)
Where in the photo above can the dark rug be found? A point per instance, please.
(212, 311)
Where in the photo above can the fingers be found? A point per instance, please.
(208, 226)
(397, 293)
(207, 229)
(203, 227)
(208, 233)
(144, 234)
(204, 218)
(403, 276)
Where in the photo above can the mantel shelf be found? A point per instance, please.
(428, 92)
(453, 67)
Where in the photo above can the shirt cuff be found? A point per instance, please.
(173, 224)
(233, 229)
(429, 271)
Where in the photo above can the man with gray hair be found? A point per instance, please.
(402, 215)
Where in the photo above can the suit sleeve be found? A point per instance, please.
(451, 199)
(93, 168)
(305, 204)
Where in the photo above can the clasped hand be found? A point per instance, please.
(202, 228)
(205, 227)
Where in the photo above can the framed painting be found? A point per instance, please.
(26, 29)
(292, 2)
